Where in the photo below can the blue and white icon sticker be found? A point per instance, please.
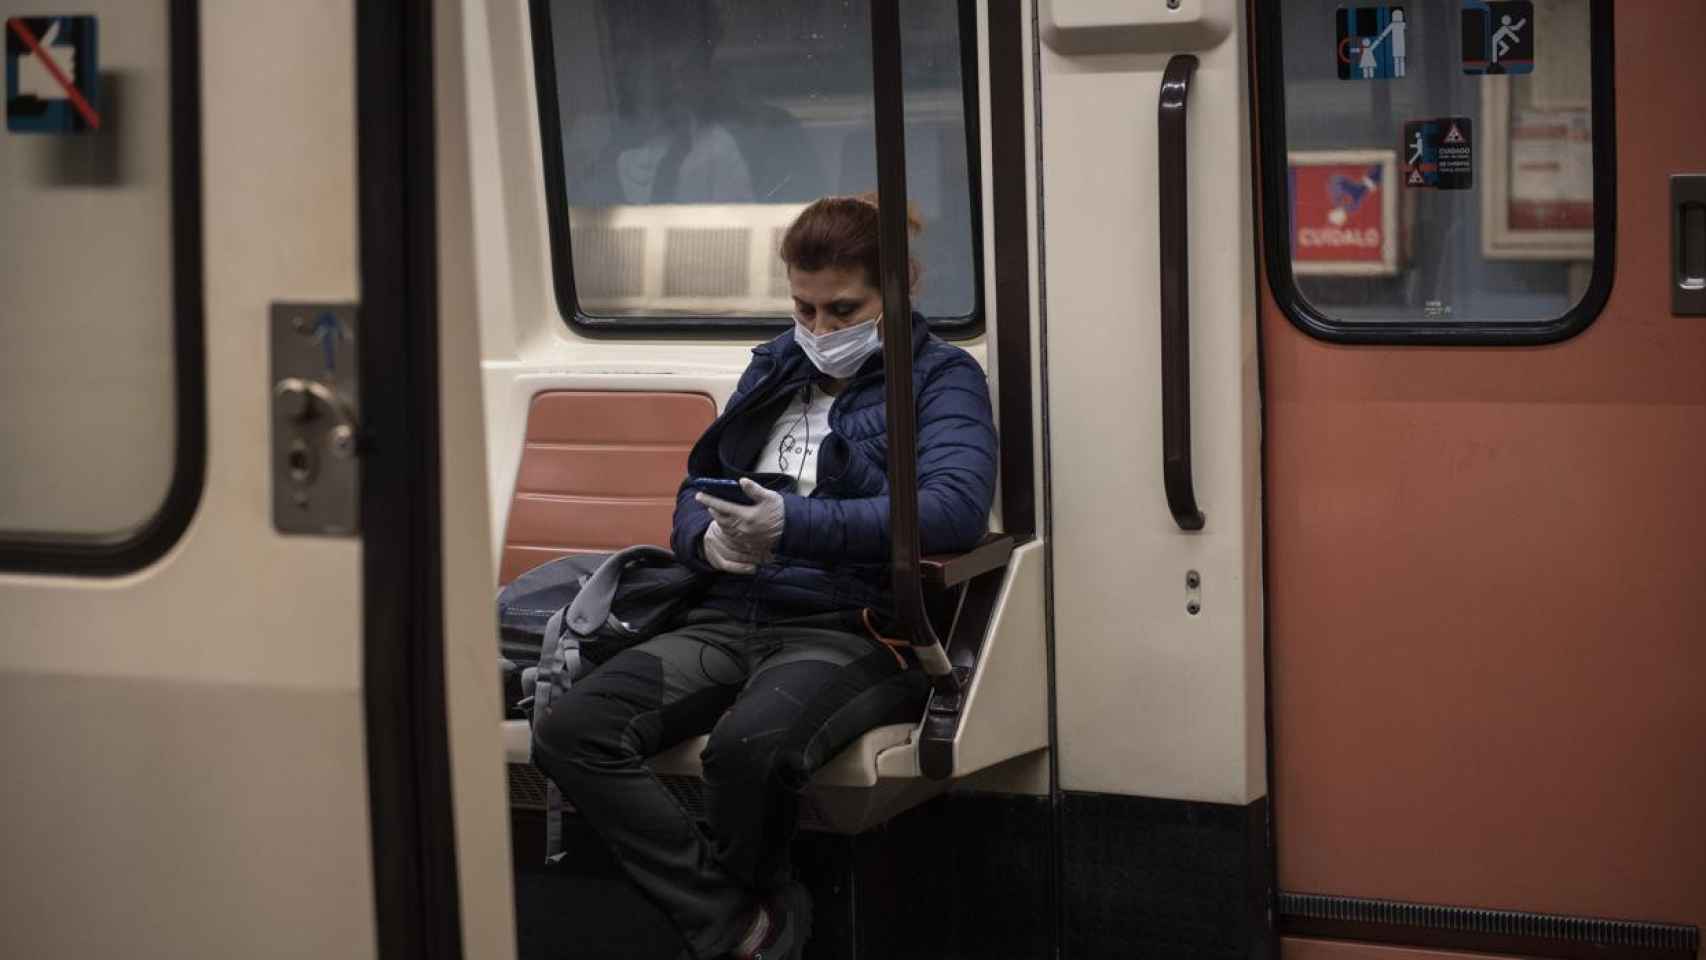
(52, 75)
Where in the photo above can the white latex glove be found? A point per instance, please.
(725, 556)
(755, 530)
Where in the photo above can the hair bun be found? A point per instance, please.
(843, 232)
(914, 222)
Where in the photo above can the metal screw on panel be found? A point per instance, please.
(1193, 608)
(1173, 4)
(1193, 580)
(343, 441)
(299, 462)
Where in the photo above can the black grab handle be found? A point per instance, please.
(1176, 296)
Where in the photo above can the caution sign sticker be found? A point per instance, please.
(1439, 154)
(1456, 154)
(52, 75)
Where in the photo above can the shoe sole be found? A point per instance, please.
(798, 902)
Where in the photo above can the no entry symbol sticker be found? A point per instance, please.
(52, 75)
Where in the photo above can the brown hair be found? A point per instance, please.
(842, 232)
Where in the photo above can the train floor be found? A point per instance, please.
(905, 891)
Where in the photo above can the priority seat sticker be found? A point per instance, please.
(1439, 154)
(1372, 42)
(52, 75)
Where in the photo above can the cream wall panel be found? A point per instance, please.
(1151, 700)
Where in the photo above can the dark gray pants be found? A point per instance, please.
(778, 699)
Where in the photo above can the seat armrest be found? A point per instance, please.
(951, 569)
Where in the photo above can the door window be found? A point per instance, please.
(100, 397)
(1438, 170)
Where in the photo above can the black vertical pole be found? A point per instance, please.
(897, 345)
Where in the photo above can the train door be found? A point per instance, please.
(221, 647)
(1484, 413)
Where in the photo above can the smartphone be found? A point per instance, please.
(721, 489)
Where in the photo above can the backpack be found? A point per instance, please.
(569, 615)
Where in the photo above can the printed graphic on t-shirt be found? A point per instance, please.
(791, 450)
(795, 438)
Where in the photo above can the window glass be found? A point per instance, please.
(1440, 156)
(87, 377)
(693, 132)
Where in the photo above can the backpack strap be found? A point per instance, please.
(591, 607)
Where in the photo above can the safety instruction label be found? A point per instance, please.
(1498, 36)
(51, 75)
(1343, 222)
(1372, 42)
(1439, 154)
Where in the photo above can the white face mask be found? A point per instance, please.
(840, 353)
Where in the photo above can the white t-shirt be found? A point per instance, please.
(795, 439)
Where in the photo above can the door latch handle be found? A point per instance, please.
(302, 400)
(316, 423)
(1688, 244)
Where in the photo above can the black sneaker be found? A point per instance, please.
(792, 908)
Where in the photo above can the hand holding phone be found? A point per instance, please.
(749, 515)
(727, 490)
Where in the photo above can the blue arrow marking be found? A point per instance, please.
(329, 330)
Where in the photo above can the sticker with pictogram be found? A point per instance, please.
(1439, 154)
(1370, 42)
(1498, 37)
(1344, 216)
(52, 75)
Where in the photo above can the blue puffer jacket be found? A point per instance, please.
(835, 552)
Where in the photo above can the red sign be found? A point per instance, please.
(1338, 214)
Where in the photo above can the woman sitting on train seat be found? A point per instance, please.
(783, 662)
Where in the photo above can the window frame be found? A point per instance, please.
(963, 327)
(48, 552)
(1276, 211)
